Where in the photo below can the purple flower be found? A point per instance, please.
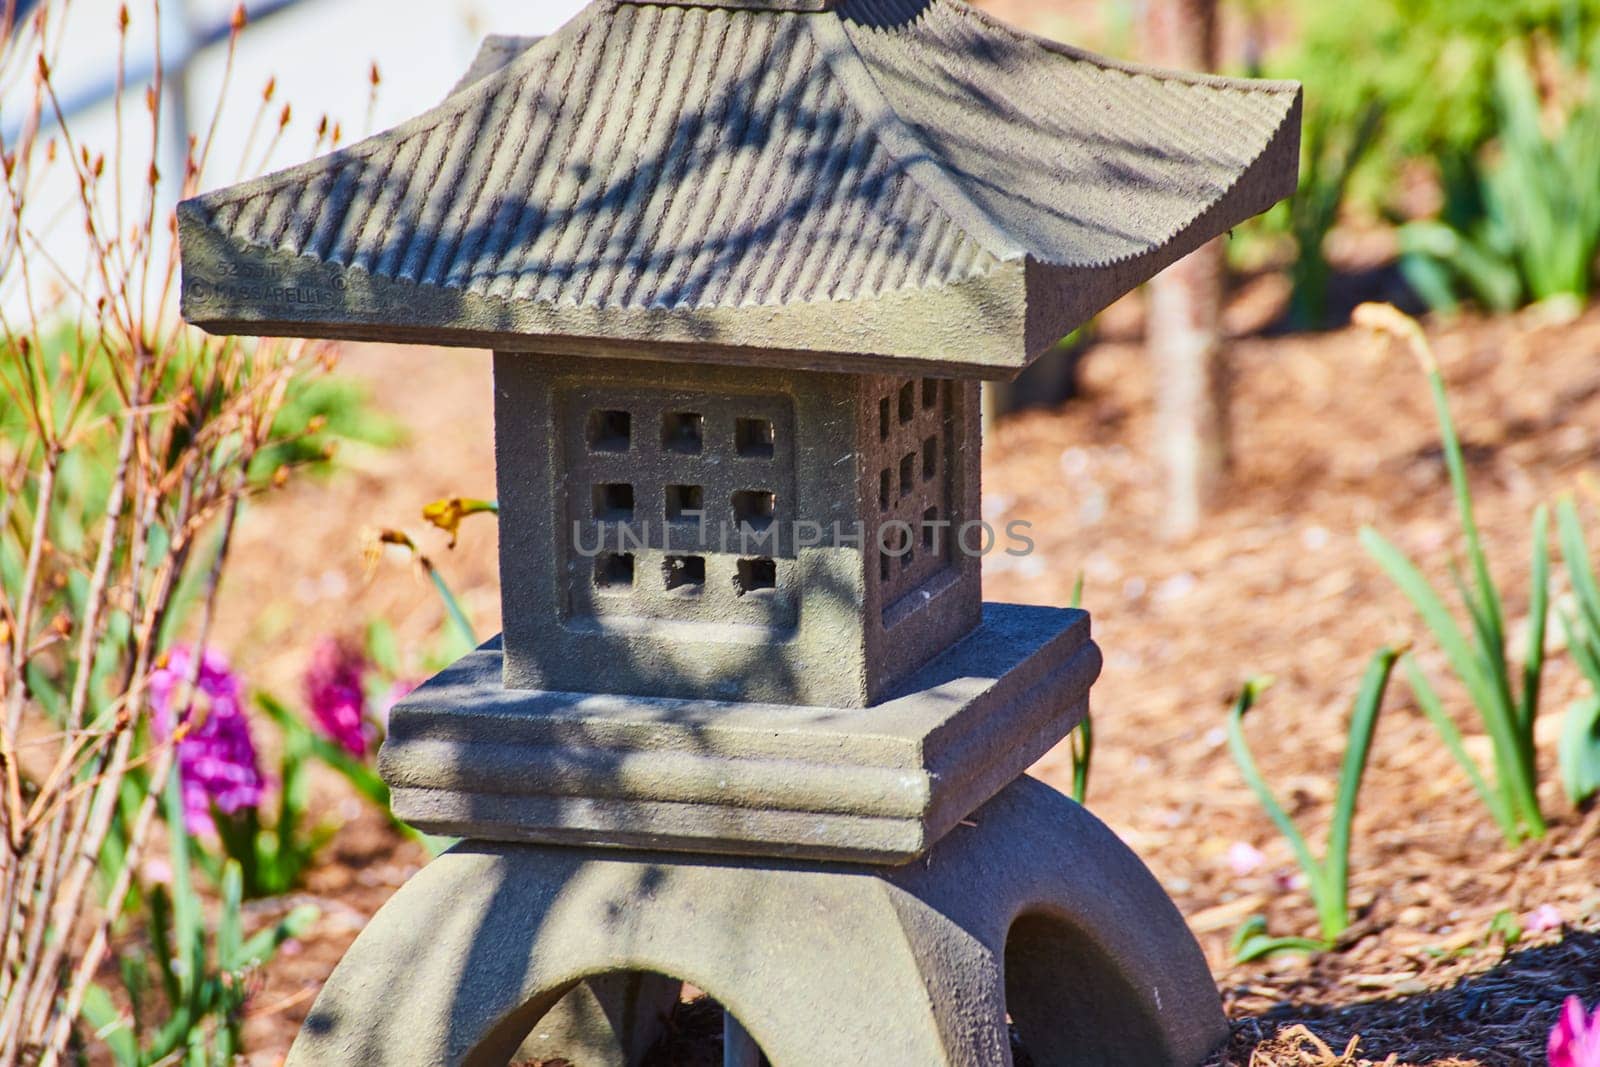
(216, 758)
(335, 694)
(1575, 1039)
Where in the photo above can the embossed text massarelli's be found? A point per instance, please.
(269, 294)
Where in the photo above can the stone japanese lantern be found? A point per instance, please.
(743, 264)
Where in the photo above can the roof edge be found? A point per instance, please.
(970, 329)
(496, 52)
(920, 163)
(1277, 161)
(1061, 299)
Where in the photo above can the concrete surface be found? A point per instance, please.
(1035, 909)
(468, 757)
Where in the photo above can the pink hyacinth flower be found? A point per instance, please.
(1575, 1039)
(1244, 858)
(335, 694)
(401, 689)
(217, 762)
(1544, 918)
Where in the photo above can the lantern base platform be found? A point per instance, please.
(1032, 909)
(470, 758)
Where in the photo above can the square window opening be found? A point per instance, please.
(754, 508)
(755, 575)
(685, 503)
(613, 572)
(908, 473)
(610, 431)
(930, 392)
(613, 502)
(754, 438)
(908, 402)
(899, 544)
(683, 432)
(883, 419)
(930, 458)
(685, 574)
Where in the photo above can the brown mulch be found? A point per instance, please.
(1332, 433)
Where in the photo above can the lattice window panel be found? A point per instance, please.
(914, 433)
(683, 471)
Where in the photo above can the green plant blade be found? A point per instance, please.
(1538, 622)
(1240, 749)
(1434, 614)
(1585, 651)
(1358, 749)
(1082, 757)
(458, 618)
(1579, 750)
(1498, 715)
(1580, 571)
(365, 780)
(260, 948)
(1252, 942)
(187, 922)
(110, 1026)
(1428, 701)
(229, 930)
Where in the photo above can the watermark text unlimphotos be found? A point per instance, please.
(893, 538)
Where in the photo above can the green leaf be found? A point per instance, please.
(1584, 648)
(1082, 739)
(1575, 554)
(1506, 927)
(1428, 701)
(261, 948)
(1538, 620)
(1434, 614)
(1579, 750)
(1252, 942)
(187, 921)
(1491, 700)
(1240, 749)
(229, 932)
(1358, 747)
(460, 627)
(110, 1026)
(365, 780)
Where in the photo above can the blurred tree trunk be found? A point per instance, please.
(1183, 334)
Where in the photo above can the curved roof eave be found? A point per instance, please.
(972, 328)
(945, 250)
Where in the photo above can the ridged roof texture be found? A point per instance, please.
(711, 167)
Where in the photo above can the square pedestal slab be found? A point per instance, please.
(468, 757)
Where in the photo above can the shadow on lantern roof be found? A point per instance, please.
(725, 164)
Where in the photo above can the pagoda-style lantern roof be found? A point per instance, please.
(873, 185)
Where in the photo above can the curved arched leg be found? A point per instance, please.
(821, 963)
(1100, 967)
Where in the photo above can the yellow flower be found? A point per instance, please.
(447, 514)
